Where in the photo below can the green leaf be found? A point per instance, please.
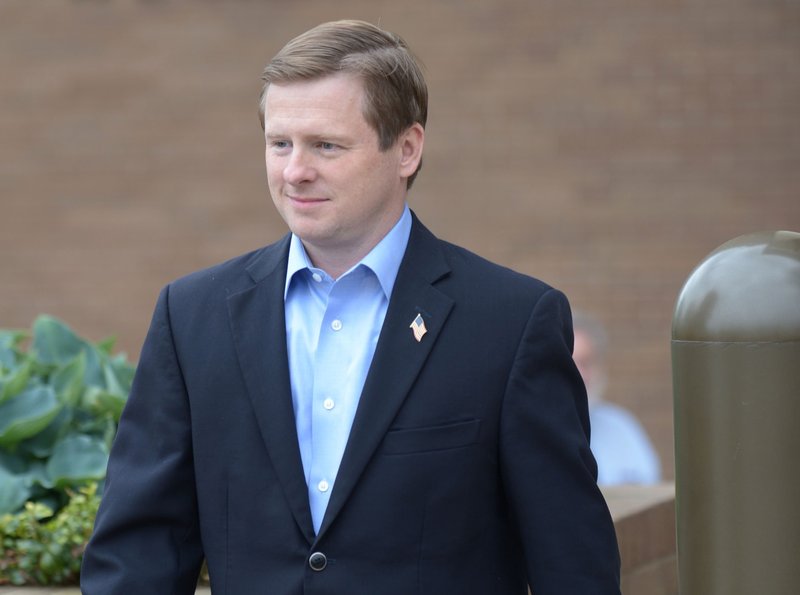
(54, 342)
(14, 491)
(111, 397)
(40, 446)
(67, 382)
(102, 402)
(13, 383)
(94, 366)
(9, 342)
(11, 339)
(107, 345)
(113, 385)
(38, 475)
(77, 459)
(27, 414)
(13, 462)
(38, 511)
(124, 370)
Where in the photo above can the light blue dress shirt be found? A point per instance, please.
(332, 328)
(623, 450)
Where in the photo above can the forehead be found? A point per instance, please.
(338, 96)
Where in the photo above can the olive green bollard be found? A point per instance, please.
(736, 383)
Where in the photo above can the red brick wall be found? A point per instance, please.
(605, 147)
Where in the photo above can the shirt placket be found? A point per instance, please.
(329, 419)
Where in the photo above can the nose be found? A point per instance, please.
(299, 168)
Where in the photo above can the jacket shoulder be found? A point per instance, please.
(232, 275)
(485, 273)
(463, 266)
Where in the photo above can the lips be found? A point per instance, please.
(306, 199)
(305, 203)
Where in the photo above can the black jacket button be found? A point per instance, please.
(317, 561)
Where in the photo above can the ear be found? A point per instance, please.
(410, 146)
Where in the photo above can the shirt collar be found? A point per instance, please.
(383, 260)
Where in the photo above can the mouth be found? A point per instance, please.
(306, 200)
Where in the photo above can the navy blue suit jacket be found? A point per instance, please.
(467, 470)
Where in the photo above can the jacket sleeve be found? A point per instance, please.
(146, 537)
(549, 473)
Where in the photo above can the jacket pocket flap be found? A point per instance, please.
(431, 438)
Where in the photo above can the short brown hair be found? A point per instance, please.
(396, 93)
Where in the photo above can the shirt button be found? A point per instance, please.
(336, 325)
(317, 561)
(317, 277)
(328, 404)
(323, 486)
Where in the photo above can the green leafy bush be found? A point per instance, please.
(60, 401)
(41, 549)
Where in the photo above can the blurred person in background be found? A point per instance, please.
(620, 444)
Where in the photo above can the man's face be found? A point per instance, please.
(328, 178)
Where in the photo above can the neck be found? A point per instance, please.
(334, 264)
(338, 259)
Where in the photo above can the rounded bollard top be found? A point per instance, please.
(748, 289)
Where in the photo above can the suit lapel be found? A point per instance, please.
(398, 358)
(259, 331)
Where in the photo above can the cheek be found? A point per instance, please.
(274, 185)
(274, 171)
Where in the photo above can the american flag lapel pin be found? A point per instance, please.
(418, 327)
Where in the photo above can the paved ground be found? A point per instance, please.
(35, 591)
(60, 591)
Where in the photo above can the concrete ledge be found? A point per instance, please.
(644, 517)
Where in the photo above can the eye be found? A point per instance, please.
(326, 146)
(280, 144)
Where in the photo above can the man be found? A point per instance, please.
(360, 408)
(619, 443)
